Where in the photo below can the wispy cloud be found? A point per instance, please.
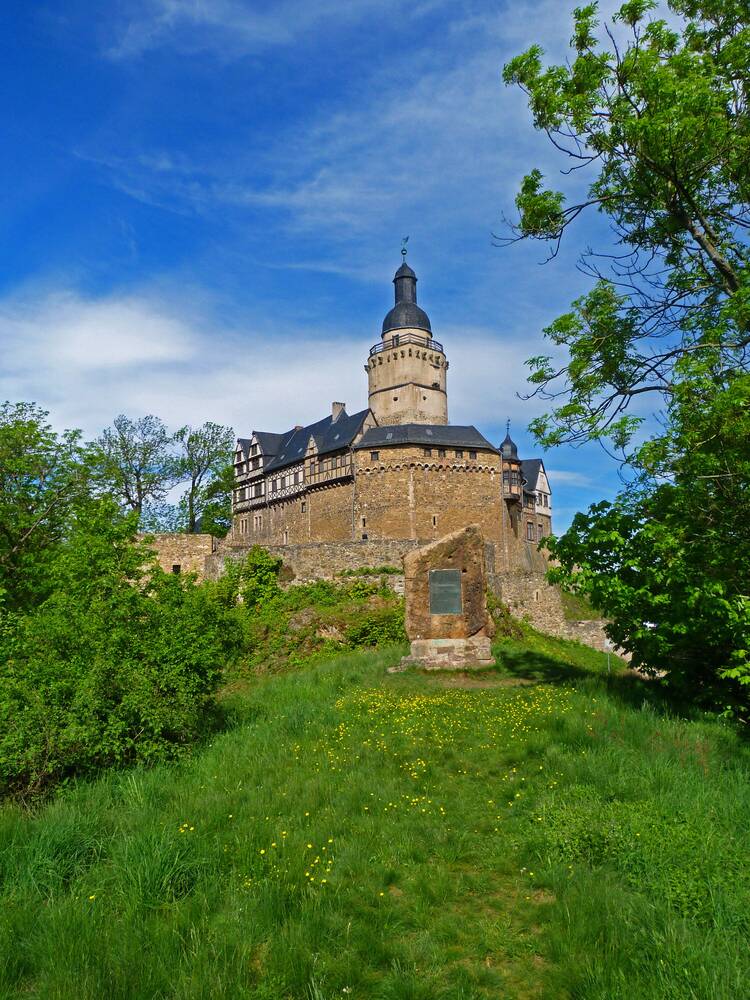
(566, 477)
(231, 28)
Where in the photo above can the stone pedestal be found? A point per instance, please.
(451, 654)
(446, 607)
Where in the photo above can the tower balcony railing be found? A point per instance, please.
(399, 339)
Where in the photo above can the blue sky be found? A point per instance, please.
(203, 203)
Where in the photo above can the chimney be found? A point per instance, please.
(336, 410)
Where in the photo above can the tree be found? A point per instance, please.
(216, 514)
(662, 119)
(134, 461)
(205, 453)
(42, 479)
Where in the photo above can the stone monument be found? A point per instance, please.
(446, 604)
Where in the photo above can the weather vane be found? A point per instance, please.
(404, 251)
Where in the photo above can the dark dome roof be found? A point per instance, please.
(508, 448)
(405, 272)
(406, 313)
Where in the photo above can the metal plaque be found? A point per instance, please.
(445, 592)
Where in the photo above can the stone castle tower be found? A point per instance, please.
(406, 371)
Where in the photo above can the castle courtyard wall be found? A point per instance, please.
(178, 552)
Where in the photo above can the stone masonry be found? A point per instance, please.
(446, 605)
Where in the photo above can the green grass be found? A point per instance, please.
(577, 607)
(541, 830)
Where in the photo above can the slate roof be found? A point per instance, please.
(508, 447)
(244, 444)
(439, 435)
(530, 468)
(329, 434)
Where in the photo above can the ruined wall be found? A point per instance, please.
(528, 594)
(178, 549)
(322, 560)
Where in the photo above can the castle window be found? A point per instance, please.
(472, 455)
(254, 450)
(286, 537)
(395, 399)
(529, 531)
(304, 507)
(258, 489)
(459, 453)
(296, 478)
(364, 522)
(364, 536)
(441, 452)
(176, 569)
(506, 479)
(540, 531)
(374, 456)
(427, 451)
(434, 521)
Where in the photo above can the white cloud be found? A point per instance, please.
(63, 330)
(89, 359)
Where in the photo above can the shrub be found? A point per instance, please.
(118, 665)
(384, 625)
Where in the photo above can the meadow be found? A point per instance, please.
(545, 829)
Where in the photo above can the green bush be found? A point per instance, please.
(372, 571)
(378, 627)
(118, 665)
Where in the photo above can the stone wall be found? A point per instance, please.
(178, 552)
(528, 594)
(322, 560)
(403, 494)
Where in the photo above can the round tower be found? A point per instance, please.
(406, 371)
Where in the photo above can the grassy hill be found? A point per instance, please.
(538, 830)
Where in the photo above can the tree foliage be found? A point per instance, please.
(118, 664)
(139, 462)
(134, 461)
(660, 115)
(662, 119)
(42, 480)
(203, 461)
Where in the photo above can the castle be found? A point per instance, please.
(361, 489)
(358, 491)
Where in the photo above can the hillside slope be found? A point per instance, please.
(540, 830)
